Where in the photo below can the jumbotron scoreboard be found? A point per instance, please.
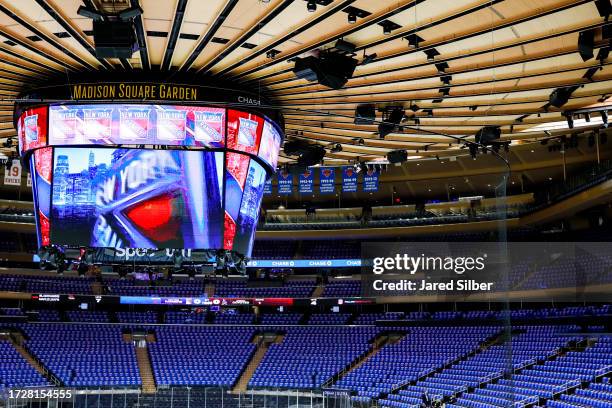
(153, 174)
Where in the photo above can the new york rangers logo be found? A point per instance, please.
(247, 132)
(30, 124)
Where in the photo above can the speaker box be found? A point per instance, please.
(397, 156)
(488, 134)
(114, 39)
(365, 114)
(586, 42)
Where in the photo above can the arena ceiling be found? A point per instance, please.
(501, 59)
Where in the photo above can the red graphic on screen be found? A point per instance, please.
(229, 232)
(154, 218)
(42, 160)
(238, 167)
(44, 229)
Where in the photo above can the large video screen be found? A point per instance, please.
(133, 124)
(134, 198)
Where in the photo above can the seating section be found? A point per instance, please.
(45, 284)
(84, 355)
(87, 316)
(182, 317)
(342, 288)
(421, 351)
(137, 317)
(293, 288)
(472, 366)
(203, 356)
(234, 318)
(127, 287)
(327, 318)
(15, 371)
(597, 395)
(527, 345)
(281, 318)
(309, 356)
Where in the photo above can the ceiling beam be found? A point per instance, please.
(210, 33)
(246, 35)
(179, 13)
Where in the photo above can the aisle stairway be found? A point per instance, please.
(378, 343)
(146, 372)
(263, 342)
(18, 342)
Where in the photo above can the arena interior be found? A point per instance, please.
(305, 203)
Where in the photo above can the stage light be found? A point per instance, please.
(368, 58)
(604, 118)
(89, 13)
(431, 54)
(560, 96)
(413, 40)
(311, 6)
(441, 67)
(587, 117)
(488, 134)
(570, 121)
(365, 114)
(397, 156)
(130, 13)
(352, 18)
(337, 148)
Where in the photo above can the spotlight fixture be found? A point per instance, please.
(487, 135)
(130, 13)
(446, 79)
(311, 6)
(444, 91)
(336, 148)
(604, 8)
(368, 58)
(604, 118)
(392, 116)
(353, 13)
(90, 13)
(271, 54)
(587, 117)
(441, 67)
(413, 40)
(414, 107)
(431, 54)
(397, 156)
(365, 114)
(388, 26)
(560, 96)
